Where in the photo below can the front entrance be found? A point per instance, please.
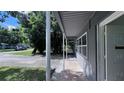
(114, 52)
(110, 45)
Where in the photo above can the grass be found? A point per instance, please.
(23, 52)
(6, 50)
(27, 52)
(21, 74)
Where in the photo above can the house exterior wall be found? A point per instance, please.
(89, 65)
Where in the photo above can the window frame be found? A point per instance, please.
(81, 46)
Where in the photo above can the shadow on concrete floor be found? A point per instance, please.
(60, 56)
(68, 75)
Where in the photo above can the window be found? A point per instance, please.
(84, 40)
(82, 45)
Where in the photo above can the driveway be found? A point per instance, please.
(7, 59)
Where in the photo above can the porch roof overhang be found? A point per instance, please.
(73, 22)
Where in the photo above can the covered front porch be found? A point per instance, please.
(72, 25)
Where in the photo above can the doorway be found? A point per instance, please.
(110, 43)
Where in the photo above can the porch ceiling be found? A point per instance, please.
(73, 22)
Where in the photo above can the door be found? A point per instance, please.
(114, 52)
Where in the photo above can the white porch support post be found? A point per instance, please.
(63, 52)
(66, 48)
(48, 68)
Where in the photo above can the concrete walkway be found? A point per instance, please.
(72, 72)
(73, 65)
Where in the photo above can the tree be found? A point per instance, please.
(34, 23)
(56, 37)
(3, 16)
(12, 37)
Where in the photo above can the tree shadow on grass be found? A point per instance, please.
(21, 74)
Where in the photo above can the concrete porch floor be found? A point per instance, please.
(72, 72)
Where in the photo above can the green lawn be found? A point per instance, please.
(21, 74)
(27, 52)
(6, 50)
(23, 52)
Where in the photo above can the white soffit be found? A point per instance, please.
(74, 21)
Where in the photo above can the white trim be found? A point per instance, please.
(82, 35)
(105, 56)
(59, 21)
(112, 17)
